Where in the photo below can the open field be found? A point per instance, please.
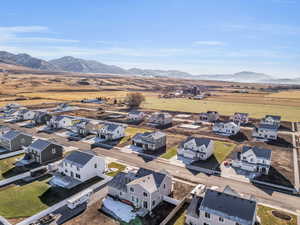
(224, 108)
(286, 94)
(28, 102)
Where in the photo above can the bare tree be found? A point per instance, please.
(134, 99)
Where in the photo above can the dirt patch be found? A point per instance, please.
(181, 190)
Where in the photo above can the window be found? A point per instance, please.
(207, 215)
(164, 186)
(66, 170)
(132, 198)
(145, 194)
(221, 219)
(23, 140)
(95, 165)
(77, 168)
(131, 189)
(237, 224)
(77, 175)
(153, 203)
(53, 150)
(205, 224)
(121, 193)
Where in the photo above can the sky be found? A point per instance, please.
(195, 36)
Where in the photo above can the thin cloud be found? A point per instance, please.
(209, 43)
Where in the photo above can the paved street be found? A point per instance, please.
(262, 194)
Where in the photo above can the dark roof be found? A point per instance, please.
(111, 126)
(198, 141)
(120, 181)
(11, 134)
(268, 126)
(40, 144)
(158, 177)
(80, 158)
(274, 117)
(193, 209)
(259, 152)
(229, 206)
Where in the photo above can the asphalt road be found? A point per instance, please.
(263, 195)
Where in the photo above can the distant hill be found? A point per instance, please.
(71, 64)
(26, 60)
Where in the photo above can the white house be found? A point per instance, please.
(78, 167)
(24, 114)
(136, 116)
(266, 131)
(221, 208)
(254, 159)
(160, 119)
(111, 131)
(58, 122)
(209, 116)
(229, 128)
(195, 148)
(271, 120)
(143, 189)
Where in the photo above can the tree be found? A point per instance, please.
(134, 99)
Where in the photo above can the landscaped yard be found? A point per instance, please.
(130, 132)
(23, 201)
(7, 164)
(170, 153)
(267, 218)
(118, 168)
(222, 150)
(291, 113)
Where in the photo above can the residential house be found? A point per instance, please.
(42, 151)
(63, 107)
(144, 189)
(77, 168)
(9, 108)
(240, 118)
(60, 122)
(160, 119)
(24, 114)
(216, 208)
(254, 159)
(14, 140)
(266, 131)
(136, 116)
(111, 131)
(209, 116)
(271, 120)
(195, 148)
(82, 128)
(41, 118)
(228, 128)
(150, 141)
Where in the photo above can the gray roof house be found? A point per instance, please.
(266, 131)
(144, 189)
(42, 151)
(150, 141)
(240, 118)
(221, 208)
(160, 119)
(254, 159)
(14, 140)
(194, 148)
(209, 116)
(111, 131)
(271, 120)
(41, 118)
(77, 168)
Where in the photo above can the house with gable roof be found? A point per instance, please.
(14, 140)
(144, 189)
(150, 141)
(254, 159)
(228, 129)
(195, 148)
(77, 168)
(266, 131)
(111, 131)
(217, 208)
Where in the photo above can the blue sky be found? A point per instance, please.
(196, 36)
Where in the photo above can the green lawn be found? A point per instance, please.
(115, 165)
(291, 113)
(170, 153)
(222, 150)
(130, 132)
(265, 214)
(7, 164)
(23, 201)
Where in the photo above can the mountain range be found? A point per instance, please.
(71, 64)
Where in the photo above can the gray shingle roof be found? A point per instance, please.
(268, 126)
(79, 158)
(198, 141)
(259, 152)
(120, 181)
(158, 177)
(111, 126)
(274, 117)
(229, 206)
(11, 134)
(40, 144)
